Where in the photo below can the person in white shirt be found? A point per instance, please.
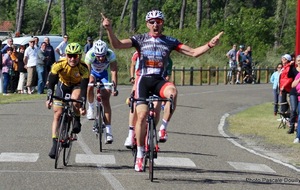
(30, 62)
(61, 48)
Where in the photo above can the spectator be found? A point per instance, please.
(50, 57)
(6, 69)
(15, 73)
(88, 45)
(61, 48)
(21, 70)
(36, 42)
(275, 81)
(9, 44)
(238, 56)
(1, 81)
(231, 55)
(30, 62)
(285, 83)
(296, 83)
(40, 68)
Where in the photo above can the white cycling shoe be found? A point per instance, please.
(90, 114)
(109, 138)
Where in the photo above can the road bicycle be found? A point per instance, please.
(66, 123)
(151, 140)
(99, 123)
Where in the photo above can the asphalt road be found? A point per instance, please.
(199, 153)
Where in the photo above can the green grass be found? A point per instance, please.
(259, 124)
(19, 97)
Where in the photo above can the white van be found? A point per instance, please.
(54, 41)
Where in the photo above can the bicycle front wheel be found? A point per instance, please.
(61, 135)
(69, 141)
(151, 149)
(99, 123)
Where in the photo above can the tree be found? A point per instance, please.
(46, 16)
(133, 15)
(63, 17)
(199, 14)
(182, 12)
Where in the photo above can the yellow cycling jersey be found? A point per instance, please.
(70, 75)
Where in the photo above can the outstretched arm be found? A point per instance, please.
(196, 52)
(114, 41)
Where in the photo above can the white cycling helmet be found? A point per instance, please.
(154, 14)
(100, 48)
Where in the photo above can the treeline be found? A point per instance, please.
(267, 25)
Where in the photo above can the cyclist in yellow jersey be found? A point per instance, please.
(71, 76)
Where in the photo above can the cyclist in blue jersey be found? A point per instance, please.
(154, 51)
(98, 59)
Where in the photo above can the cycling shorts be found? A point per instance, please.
(62, 90)
(101, 77)
(150, 85)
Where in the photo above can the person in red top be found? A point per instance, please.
(285, 83)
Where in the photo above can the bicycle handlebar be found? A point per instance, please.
(102, 85)
(150, 99)
(66, 99)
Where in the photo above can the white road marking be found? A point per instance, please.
(95, 159)
(18, 157)
(172, 161)
(222, 132)
(243, 166)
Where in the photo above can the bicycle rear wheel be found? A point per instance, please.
(151, 149)
(68, 144)
(60, 139)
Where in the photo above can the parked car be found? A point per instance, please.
(54, 41)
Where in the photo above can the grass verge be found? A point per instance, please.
(258, 126)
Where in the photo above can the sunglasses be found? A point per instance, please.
(157, 21)
(100, 56)
(75, 56)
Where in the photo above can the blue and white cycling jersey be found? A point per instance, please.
(97, 66)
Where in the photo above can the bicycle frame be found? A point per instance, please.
(151, 142)
(99, 123)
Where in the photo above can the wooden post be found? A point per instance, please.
(208, 75)
(182, 76)
(258, 75)
(191, 76)
(225, 75)
(173, 75)
(217, 75)
(200, 76)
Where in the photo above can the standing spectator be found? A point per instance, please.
(274, 79)
(1, 81)
(40, 68)
(238, 57)
(9, 44)
(293, 71)
(21, 70)
(30, 62)
(6, 69)
(50, 57)
(285, 83)
(296, 83)
(15, 73)
(231, 55)
(36, 42)
(88, 45)
(61, 48)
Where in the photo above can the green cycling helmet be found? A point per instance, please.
(73, 48)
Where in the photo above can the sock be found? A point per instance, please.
(164, 125)
(140, 151)
(108, 129)
(130, 131)
(91, 105)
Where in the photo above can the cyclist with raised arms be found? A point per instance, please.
(98, 59)
(154, 50)
(71, 76)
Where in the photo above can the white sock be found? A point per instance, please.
(130, 131)
(91, 105)
(108, 129)
(140, 151)
(164, 125)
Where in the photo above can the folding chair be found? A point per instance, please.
(284, 116)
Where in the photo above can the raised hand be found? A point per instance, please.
(215, 40)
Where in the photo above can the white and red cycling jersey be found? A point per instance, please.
(153, 53)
